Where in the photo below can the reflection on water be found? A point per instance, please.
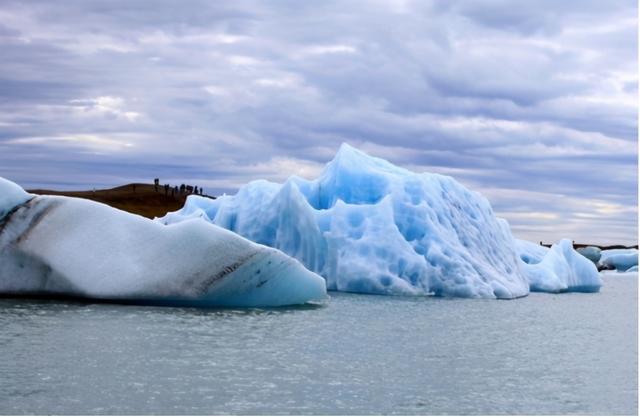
(543, 354)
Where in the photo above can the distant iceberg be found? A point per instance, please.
(74, 247)
(559, 268)
(368, 226)
(619, 259)
(592, 253)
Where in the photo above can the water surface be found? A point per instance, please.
(543, 354)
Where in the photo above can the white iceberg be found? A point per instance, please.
(368, 226)
(74, 247)
(619, 259)
(559, 268)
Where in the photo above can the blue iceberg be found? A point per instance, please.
(368, 226)
(619, 259)
(559, 268)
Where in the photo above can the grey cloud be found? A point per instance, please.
(541, 96)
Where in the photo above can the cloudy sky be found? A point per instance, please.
(533, 104)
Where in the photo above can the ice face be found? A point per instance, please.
(559, 268)
(368, 226)
(620, 259)
(75, 247)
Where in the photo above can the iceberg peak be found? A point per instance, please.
(346, 149)
(352, 159)
(347, 152)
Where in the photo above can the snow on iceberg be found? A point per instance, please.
(368, 226)
(75, 247)
(620, 259)
(559, 268)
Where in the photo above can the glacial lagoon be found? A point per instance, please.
(569, 353)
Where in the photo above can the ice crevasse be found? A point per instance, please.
(368, 226)
(74, 247)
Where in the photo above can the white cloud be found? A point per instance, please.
(329, 49)
(93, 142)
(105, 106)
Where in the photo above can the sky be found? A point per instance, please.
(533, 104)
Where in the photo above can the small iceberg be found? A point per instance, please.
(73, 247)
(559, 268)
(619, 259)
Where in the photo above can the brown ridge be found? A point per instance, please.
(146, 200)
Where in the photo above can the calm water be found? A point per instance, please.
(549, 354)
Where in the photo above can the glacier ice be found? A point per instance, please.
(75, 247)
(559, 268)
(368, 226)
(620, 259)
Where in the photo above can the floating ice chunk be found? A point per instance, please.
(75, 247)
(620, 259)
(368, 226)
(559, 268)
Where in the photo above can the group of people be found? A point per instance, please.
(183, 189)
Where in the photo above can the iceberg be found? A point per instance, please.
(368, 226)
(592, 253)
(73, 247)
(559, 268)
(619, 259)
